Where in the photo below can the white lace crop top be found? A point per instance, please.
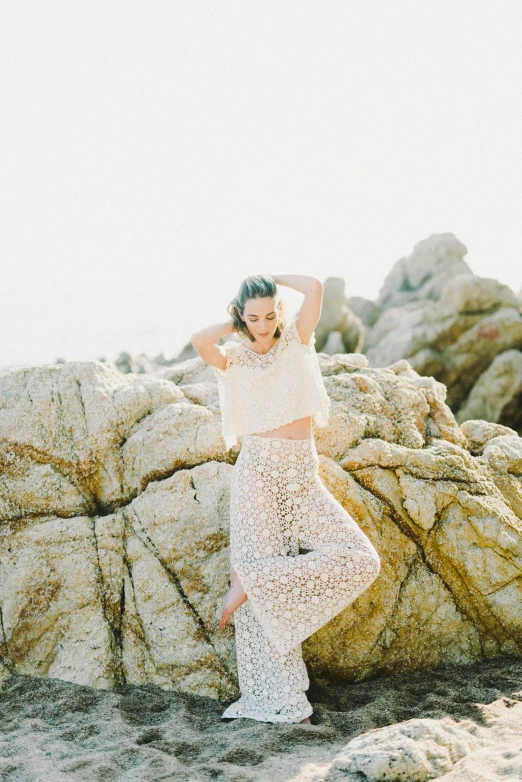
(260, 392)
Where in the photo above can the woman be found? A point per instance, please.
(270, 391)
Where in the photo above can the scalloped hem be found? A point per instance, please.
(252, 714)
(290, 713)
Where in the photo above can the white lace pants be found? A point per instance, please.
(278, 504)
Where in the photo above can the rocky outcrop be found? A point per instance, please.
(464, 330)
(114, 526)
(497, 393)
(140, 363)
(113, 542)
(339, 329)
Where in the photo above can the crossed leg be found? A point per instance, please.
(293, 596)
(281, 597)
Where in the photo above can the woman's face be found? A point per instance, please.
(261, 318)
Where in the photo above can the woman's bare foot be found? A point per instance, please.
(236, 596)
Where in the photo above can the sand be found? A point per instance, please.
(55, 730)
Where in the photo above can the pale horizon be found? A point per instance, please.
(153, 156)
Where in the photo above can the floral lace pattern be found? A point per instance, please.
(277, 504)
(261, 392)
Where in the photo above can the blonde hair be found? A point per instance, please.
(257, 286)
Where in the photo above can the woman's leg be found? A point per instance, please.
(236, 596)
(272, 683)
(293, 596)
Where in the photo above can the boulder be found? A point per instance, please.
(415, 750)
(452, 325)
(497, 393)
(114, 526)
(338, 319)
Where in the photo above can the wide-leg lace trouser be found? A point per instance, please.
(278, 504)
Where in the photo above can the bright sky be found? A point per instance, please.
(153, 154)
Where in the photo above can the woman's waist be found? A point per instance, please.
(299, 429)
(277, 422)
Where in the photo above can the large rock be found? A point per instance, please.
(415, 750)
(497, 393)
(100, 511)
(114, 508)
(422, 275)
(338, 327)
(452, 325)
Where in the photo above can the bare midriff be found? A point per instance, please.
(300, 429)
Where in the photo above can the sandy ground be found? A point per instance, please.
(54, 730)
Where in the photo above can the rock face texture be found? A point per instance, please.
(114, 502)
(416, 750)
(464, 330)
(113, 542)
(339, 329)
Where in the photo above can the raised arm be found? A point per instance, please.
(310, 311)
(204, 341)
